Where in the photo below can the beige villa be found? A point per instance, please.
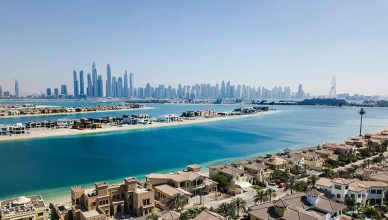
(104, 200)
(30, 207)
(191, 181)
(276, 163)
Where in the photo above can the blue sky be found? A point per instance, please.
(263, 43)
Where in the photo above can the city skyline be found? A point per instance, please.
(264, 43)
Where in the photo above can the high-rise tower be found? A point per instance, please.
(94, 80)
(333, 89)
(16, 89)
(81, 83)
(126, 89)
(75, 84)
(108, 81)
(131, 85)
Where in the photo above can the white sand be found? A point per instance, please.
(75, 113)
(48, 132)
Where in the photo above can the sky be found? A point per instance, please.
(266, 43)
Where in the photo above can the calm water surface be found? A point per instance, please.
(49, 166)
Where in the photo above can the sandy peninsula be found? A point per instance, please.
(56, 132)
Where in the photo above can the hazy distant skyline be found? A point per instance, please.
(266, 43)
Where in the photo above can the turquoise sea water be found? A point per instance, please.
(50, 166)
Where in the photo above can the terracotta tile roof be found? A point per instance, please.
(208, 215)
(170, 191)
(324, 182)
(170, 215)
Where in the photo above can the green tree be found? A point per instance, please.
(361, 113)
(153, 216)
(280, 176)
(261, 196)
(271, 193)
(239, 204)
(328, 173)
(300, 186)
(227, 210)
(312, 180)
(350, 202)
(290, 185)
(224, 184)
(177, 202)
(191, 213)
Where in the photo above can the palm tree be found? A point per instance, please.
(312, 180)
(226, 210)
(290, 185)
(239, 204)
(327, 173)
(153, 216)
(177, 202)
(261, 196)
(361, 113)
(271, 193)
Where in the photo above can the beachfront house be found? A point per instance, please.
(104, 200)
(164, 193)
(241, 178)
(3, 129)
(168, 118)
(365, 192)
(298, 206)
(64, 123)
(17, 128)
(190, 181)
(276, 163)
(140, 119)
(30, 207)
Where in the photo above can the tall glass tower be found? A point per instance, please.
(75, 84)
(108, 81)
(81, 83)
(16, 89)
(126, 89)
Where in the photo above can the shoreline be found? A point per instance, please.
(61, 194)
(75, 113)
(45, 133)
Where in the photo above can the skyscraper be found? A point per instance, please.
(94, 78)
(100, 91)
(75, 84)
(16, 89)
(333, 89)
(48, 92)
(90, 86)
(63, 90)
(108, 81)
(114, 87)
(81, 83)
(300, 93)
(56, 92)
(131, 85)
(1, 92)
(119, 87)
(126, 89)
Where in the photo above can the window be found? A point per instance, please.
(352, 195)
(379, 192)
(338, 196)
(373, 191)
(337, 187)
(359, 196)
(346, 187)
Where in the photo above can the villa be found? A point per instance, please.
(103, 200)
(163, 194)
(30, 207)
(276, 163)
(365, 192)
(191, 181)
(17, 128)
(168, 118)
(311, 205)
(240, 178)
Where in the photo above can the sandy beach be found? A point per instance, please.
(74, 113)
(45, 132)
